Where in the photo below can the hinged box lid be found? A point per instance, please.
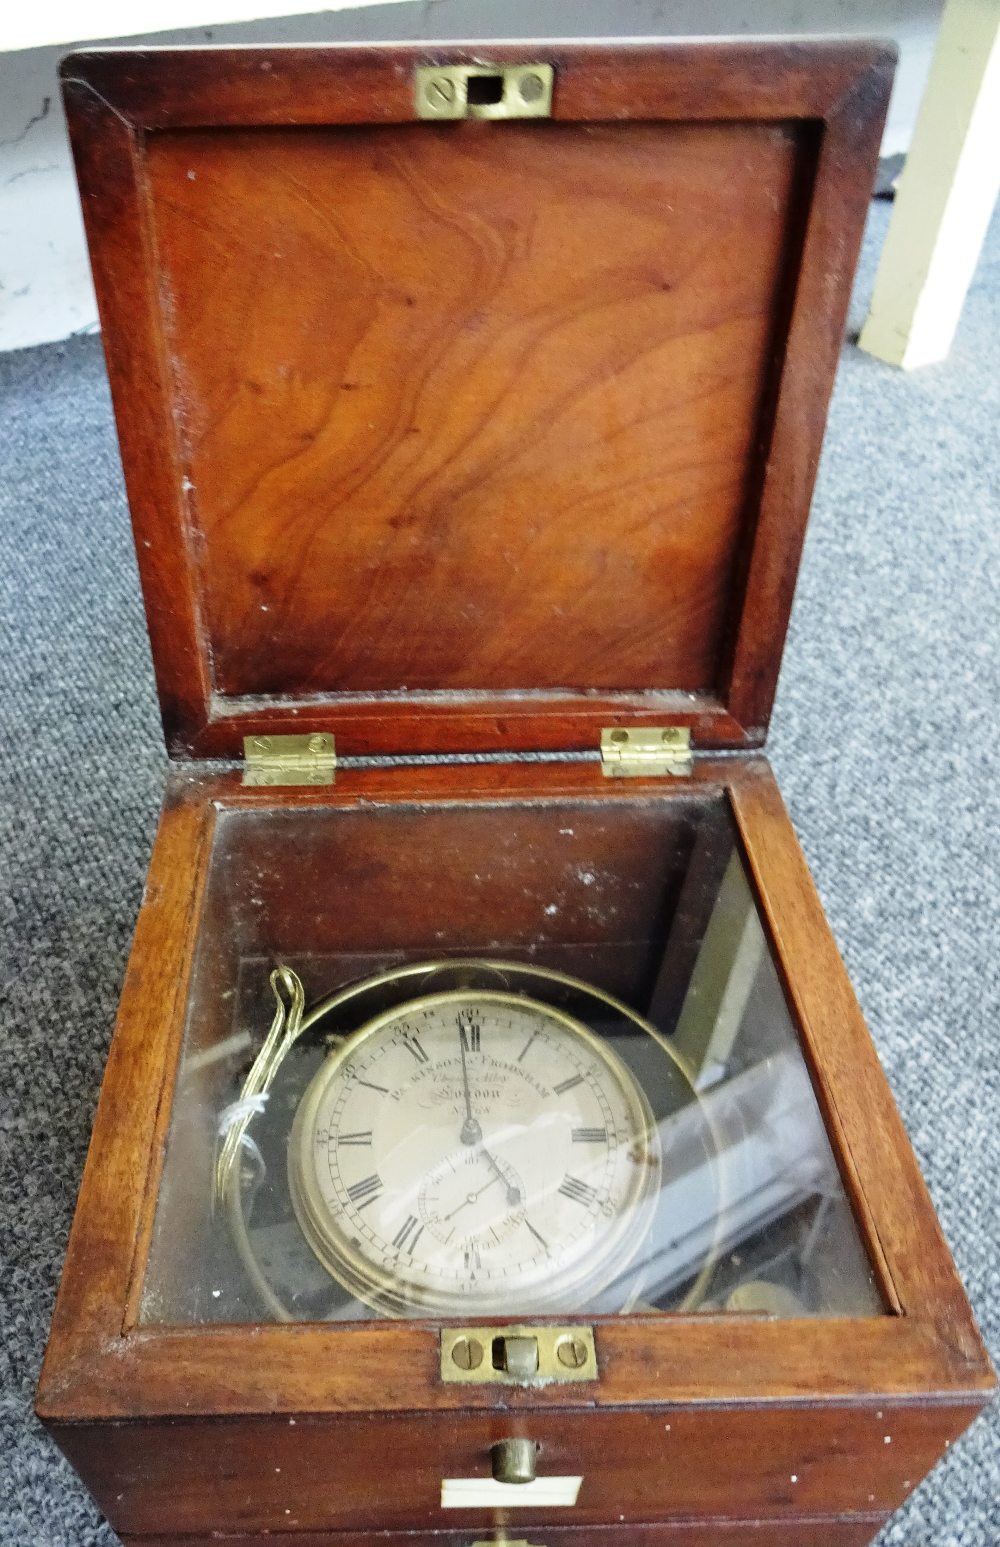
(477, 434)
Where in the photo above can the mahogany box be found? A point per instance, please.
(470, 402)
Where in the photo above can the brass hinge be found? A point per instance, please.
(289, 759)
(646, 751)
(447, 92)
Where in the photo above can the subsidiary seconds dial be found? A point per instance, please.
(473, 1151)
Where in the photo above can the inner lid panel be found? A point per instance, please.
(471, 407)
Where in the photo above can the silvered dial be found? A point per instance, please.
(476, 1152)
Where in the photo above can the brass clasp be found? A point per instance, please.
(447, 92)
(518, 1356)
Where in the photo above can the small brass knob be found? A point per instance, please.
(513, 1461)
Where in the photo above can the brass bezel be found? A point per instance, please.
(291, 1021)
(382, 1290)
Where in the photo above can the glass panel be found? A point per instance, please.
(495, 1060)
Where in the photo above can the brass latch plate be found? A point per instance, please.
(277, 760)
(644, 752)
(447, 92)
(517, 1356)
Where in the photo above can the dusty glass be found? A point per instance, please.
(500, 1059)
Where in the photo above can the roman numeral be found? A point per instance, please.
(366, 1191)
(405, 1236)
(413, 1046)
(578, 1191)
(363, 1136)
(590, 1136)
(470, 1036)
(472, 1259)
(570, 1084)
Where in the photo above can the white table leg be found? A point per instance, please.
(945, 196)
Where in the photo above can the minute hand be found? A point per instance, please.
(513, 1193)
(471, 1131)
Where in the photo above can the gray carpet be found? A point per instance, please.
(884, 740)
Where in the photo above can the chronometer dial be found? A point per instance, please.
(473, 1151)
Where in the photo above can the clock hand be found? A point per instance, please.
(471, 1198)
(538, 1237)
(471, 1131)
(513, 1193)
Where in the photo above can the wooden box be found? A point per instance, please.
(470, 403)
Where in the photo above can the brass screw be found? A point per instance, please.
(316, 743)
(531, 88)
(619, 737)
(467, 1354)
(440, 91)
(572, 1352)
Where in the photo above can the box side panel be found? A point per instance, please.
(105, 1240)
(670, 1465)
(856, 1532)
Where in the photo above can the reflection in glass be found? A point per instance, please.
(588, 1098)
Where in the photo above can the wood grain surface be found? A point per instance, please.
(465, 409)
(774, 1463)
(471, 436)
(801, 1532)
